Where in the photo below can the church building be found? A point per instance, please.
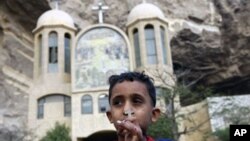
(71, 67)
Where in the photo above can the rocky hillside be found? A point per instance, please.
(218, 60)
(210, 46)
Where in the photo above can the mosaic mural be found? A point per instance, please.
(100, 52)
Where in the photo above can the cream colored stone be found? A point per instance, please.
(55, 17)
(144, 10)
(196, 122)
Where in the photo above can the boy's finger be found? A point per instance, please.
(133, 129)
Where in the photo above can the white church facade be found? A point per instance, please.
(71, 67)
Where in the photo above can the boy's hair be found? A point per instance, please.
(134, 76)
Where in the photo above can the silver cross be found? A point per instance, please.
(56, 3)
(100, 9)
(129, 113)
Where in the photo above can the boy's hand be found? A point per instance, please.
(130, 131)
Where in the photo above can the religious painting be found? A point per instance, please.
(100, 52)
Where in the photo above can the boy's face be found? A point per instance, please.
(132, 96)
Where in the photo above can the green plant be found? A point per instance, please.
(59, 133)
(222, 134)
(161, 128)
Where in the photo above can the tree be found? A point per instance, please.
(171, 92)
(59, 133)
(178, 95)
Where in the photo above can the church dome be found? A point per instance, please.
(55, 17)
(143, 11)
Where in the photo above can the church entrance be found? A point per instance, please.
(101, 136)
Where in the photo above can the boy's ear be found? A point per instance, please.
(109, 115)
(156, 112)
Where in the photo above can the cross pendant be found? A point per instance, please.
(129, 113)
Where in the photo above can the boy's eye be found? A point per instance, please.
(117, 102)
(137, 100)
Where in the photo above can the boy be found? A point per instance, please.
(132, 101)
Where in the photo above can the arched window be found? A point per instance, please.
(54, 106)
(40, 46)
(53, 52)
(67, 43)
(87, 104)
(150, 44)
(40, 108)
(103, 103)
(67, 106)
(163, 45)
(137, 48)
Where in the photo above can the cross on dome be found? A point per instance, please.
(56, 3)
(100, 9)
